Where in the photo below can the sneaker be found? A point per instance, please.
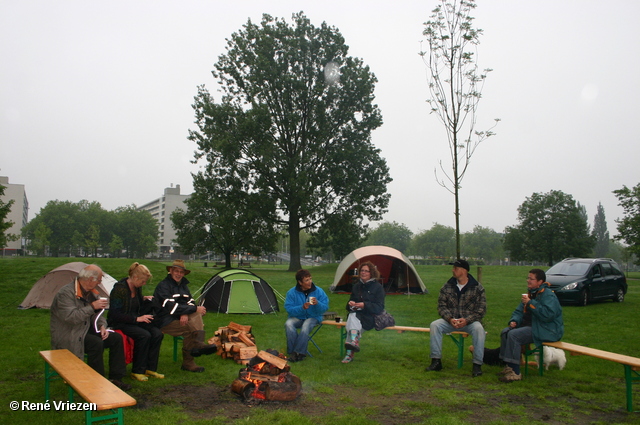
(505, 371)
(477, 370)
(154, 374)
(139, 377)
(120, 384)
(511, 377)
(436, 364)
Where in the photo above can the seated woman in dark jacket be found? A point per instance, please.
(367, 300)
(125, 314)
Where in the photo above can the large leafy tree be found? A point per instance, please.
(64, 228)
(483, 243)
(392, 234)
(600, 233)
(224, 220)
(629, 225)
(455, 85)
(294, 125)
(137, 229)
(439, 242)
(339, 235)
(552, 226)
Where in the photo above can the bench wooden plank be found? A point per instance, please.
(594, 352)
(456, 336)
(89, 384)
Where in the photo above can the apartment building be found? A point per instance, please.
(161, 210)
(18, 214)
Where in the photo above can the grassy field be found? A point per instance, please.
(386, 384)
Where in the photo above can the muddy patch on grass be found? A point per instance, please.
(215, 401)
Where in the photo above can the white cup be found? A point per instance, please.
(313, 300)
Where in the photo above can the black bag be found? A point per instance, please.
(384, 320)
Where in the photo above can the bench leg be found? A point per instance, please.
(631, 377)
(49, 375)
(529, 352)
(176, 339)
(459, 341)
(115, 417)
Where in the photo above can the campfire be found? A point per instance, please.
(267, 377)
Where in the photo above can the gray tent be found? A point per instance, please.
(42, 293)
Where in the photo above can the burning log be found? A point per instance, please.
(274, 360)
(263, 379)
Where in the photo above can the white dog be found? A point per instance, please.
(552, 356)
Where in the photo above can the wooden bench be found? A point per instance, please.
(89, 384)
(457, 337)
(631, 364)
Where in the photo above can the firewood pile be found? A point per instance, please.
(267, 377)
(235, 342)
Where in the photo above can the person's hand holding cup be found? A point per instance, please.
(100, 303)
(313, 300)
(525, 298)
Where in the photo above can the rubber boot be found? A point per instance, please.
(197, 346)
(353, 341)
(188, 363)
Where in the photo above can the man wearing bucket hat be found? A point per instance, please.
(462, 305)
(179, 315)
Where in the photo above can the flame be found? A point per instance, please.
(258, 367)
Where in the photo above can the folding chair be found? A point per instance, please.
(313, 333)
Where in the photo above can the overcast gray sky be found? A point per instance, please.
(95, 99)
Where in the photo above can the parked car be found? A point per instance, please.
(582, 280)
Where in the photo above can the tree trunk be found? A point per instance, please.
(294, 242)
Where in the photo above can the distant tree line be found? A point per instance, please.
(64, 228)
(552, 226)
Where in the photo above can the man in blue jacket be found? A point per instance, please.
(305, 303)
(537, 319)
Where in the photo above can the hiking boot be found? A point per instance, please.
(188, 363)
(118, 383)
(197, 346)
(505, 371)
(477, 370)
(436, 364)
(511, 377)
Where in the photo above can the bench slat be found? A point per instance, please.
(89, 384)
(395, 328)
(594, 352)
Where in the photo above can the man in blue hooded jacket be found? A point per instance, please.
(305, 303)
(537, 319)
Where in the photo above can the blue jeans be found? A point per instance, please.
(297, 342)
(440, 327)
(511, 342)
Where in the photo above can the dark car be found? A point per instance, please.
(582, 280)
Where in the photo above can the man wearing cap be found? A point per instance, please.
(462, 305)
(179, 315)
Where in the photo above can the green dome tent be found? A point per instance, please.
(239, 291)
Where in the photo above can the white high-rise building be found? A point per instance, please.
(161, 210)
(18, 214)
